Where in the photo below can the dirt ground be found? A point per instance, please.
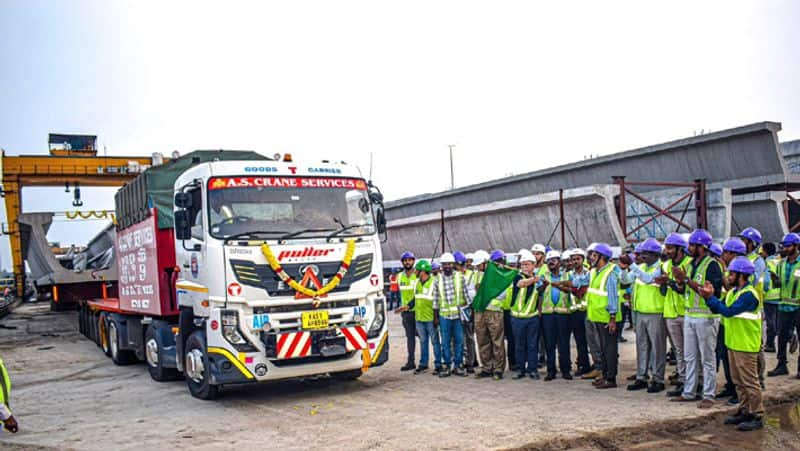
(67, 395)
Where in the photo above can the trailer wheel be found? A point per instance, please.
(91, 326)
(118, 356)
(347, 375)
(81, 320)
(196, 367)
(103, 334)
(154, 357)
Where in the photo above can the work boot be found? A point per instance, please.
(727, 393)
(497, 376)
(656, 387)
(593, 374)
(549, 377)
(632, 377)
(445, 372)
(518, 376)
(638, 385)
(421, 369)
(483, 375)
(534, 375)
(598, 381)
(566, 376)
(705, 404)
(407, 367)
(737, 418)
(752, 425)
(611, 383)
(437, 371)
(677, 392)
(470, 370)
(458, 371)
(779, 370)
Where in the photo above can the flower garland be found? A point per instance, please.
(333, 283)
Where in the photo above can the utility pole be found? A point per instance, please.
(452, 176)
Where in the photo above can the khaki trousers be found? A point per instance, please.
(489, 333)
(744, 372)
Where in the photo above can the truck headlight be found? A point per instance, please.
(379, 319)
(231, 332)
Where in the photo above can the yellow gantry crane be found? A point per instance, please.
(73, 160)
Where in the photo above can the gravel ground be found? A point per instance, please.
(68, 395)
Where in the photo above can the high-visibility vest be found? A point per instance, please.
(647, 297)
(525, 303)
(5, 386)
(757, 284)
(773, 295)
(423, 300)
(498, 305)
(674, 302)
(743, 331)
(577, 304)
(449, 307)
(789, 290)
(407, 285)
(597, 295)
(695, 304)
(547, 297)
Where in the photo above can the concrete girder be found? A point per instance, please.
(763, 211)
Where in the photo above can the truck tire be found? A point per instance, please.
(103, 334)
(91, 326)
(118, 355)
(154, 357)
(82, 320)
(196, 367)
(347, 375)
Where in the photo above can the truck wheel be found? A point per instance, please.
(91, 326)
(196, 367)
(347, 375)
(118, 355)
(103, 334)
(154, 356)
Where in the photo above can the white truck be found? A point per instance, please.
(246, 270)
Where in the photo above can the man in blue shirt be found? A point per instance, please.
(788, 278)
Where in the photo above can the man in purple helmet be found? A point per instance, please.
(490, 330)
(648, 303)
(675, 303)
(732, 248)
(701, 325)
(467, 323)
(604, 312)
(407, 284)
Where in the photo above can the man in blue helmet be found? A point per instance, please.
(604, 312)
(701, 325)
(732, 248)
(741, 311)
(788, 279)
(761, 279)
(490, 329)
(675, 303)
(467, 321)
(407, 284)
(648, 303)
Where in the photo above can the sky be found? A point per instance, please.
(516, 86)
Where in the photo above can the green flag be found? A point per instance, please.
(495, 280)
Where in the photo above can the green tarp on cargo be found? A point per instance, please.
(154, 187)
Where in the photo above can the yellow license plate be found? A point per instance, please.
(315, 320)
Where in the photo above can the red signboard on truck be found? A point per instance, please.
(137, 264)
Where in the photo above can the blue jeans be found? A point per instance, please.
(427, 333)
(452, 332)
(526, 343)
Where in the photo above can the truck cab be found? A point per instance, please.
(278, 273)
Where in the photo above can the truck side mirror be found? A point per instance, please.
(183, 225)
(381, 219)
(183, 200)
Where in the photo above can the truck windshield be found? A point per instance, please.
(315, 206)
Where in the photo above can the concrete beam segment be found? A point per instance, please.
(763, 211)
(739, 157)
(512, 224)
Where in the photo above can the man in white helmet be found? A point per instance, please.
(525, 321)
(577, 284)
(450, 294)
(555, 308)
(539, 252)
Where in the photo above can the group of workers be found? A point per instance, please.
(713, 304)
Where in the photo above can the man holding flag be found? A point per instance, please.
(493, 293)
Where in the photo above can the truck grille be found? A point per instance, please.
(262, 276)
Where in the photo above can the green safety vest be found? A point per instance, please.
(548, 307)
(647, 297)
(449, 307)
(498, 305)
(406, 284)
(695, 304)
(743, 331)
(5, 386)
(773, 295)
(576, 304)
(597, 296)
(674, 302)
(525, 306)
(789, 291)
(423, 300)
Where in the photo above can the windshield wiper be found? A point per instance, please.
(251, 233)
(343, 229)
(300, 232)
